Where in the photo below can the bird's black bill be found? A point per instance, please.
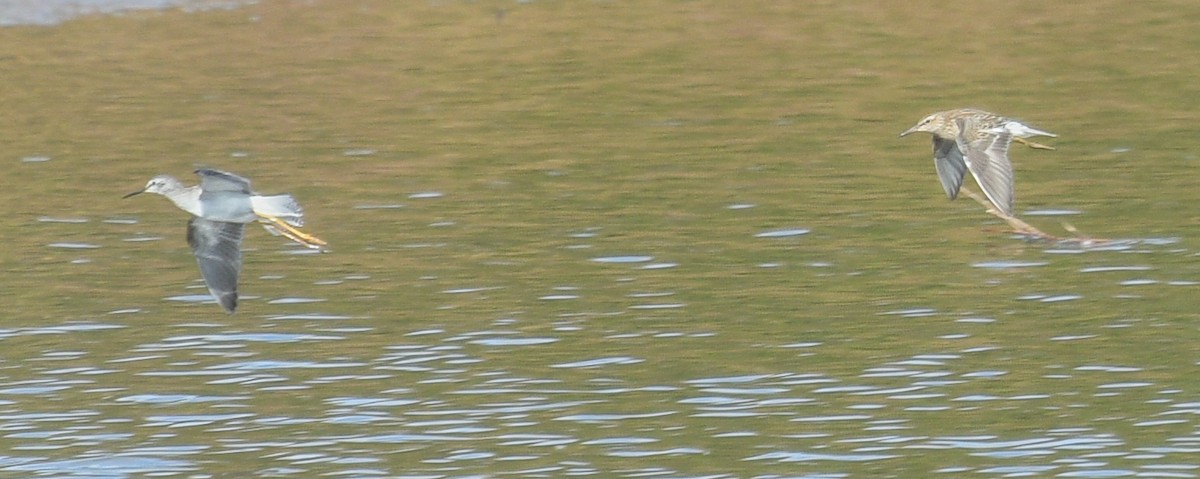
(133, 194)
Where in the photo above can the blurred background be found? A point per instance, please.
(599, 238)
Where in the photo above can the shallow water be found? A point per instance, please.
(677, 240)
(53, 12)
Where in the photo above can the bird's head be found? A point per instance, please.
(161, 184)
(934, 123)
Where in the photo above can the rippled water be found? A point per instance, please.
(619, 390)
(560, 249)
(51, 12)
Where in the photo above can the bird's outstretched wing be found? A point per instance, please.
(950, 166)
(218, 249)
(986, 156)
(217, 180)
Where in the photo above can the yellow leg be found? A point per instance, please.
(1033, 145)
(292, 233)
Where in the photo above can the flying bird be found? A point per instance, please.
(977, 141)
(221, 206)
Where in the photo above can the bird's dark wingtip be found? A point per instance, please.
(228, 302)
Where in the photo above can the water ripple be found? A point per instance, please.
(1107, 269)
(192, 420)
(295, 300)
(64, 245)
(426, 195)
(599, 362)
(513, 341)
(611, 417)
(177, 399)
(787, 456)
(404, 438)
(112, 466)
(50, 219)
(254, 337)
(784, 233)
(277, 364)
(1009, 264)
(634, 453)
(623, 259)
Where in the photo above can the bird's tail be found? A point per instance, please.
(1020, 130)
(283, 207)
(1026, 131)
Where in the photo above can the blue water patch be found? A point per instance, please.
(295, 300)
(1060, 298)
(658, 306)
(783, 233)
(111, 465)
(469, 290)
(1052, 212)
(1106, 269)
(513, 341)
(50, 219)
(1009, 264)
(598, 362)
(911, 313)
(623, 259)
(1073, 337)
(74, 245)
(786, 456)
(254, 337)
(310, 316)
(177, 399)
(52, 12)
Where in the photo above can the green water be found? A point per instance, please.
(469, 162)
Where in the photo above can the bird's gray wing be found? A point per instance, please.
(987, 158)
(218, 249)
(950, 167)
(217, 180)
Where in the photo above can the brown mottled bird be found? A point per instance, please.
(977, 141)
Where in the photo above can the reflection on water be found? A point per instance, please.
(51, 12)
(612, 389)
(499, 399)
(453, 400)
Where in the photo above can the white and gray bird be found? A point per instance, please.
(221, 206)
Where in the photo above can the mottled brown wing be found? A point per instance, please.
(986, 156)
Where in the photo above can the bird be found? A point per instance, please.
(942, 124)
(973, 140)
(221, 206)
